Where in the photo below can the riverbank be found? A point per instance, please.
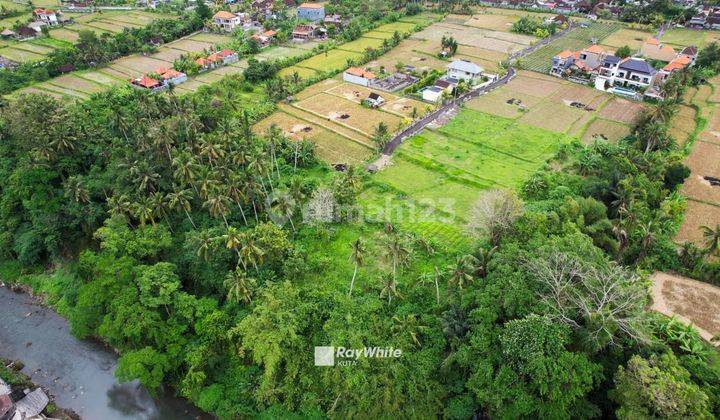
(78, 373)
(20, 383)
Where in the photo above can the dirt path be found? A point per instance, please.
(690, 301)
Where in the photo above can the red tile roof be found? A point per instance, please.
(564, 54)
(147, 82)
(43, 11)
(356, 71)
(311, 6)
(224, 15)
(226, 53)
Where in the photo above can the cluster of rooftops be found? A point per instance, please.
(162, 77)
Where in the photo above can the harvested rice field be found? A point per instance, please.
(690, 301)
(702, 187)
(502, 42)
(561, 106)
(630, 37)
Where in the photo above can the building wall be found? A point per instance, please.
(351, 78)
(313, 15)
(459, 74)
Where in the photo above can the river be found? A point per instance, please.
(78, 373)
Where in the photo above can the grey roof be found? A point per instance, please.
(691, 50)
(611, 59)
(442, 83)
(640, 66)
(434, 89)
(32, 405)
(466, 66)
(374, 96)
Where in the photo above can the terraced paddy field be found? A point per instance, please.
(541, 60)
(337, 59)
(547, 102)
(81, 84)
(330, 114)
(703, 198)
(100, 22)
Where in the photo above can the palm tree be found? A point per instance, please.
(180, 199)
(159, 203)
(284, 206)
(435, 276)
(186, 169)
(389, 287)
(236, 192)
(205, 242)
(250, 252)
(462, 272)
(75, 188)
(398, 253)
(217, 204)
(712, 239)
(482, 258)
(144, 210)
(358, 258)
(233, 239)
(239, 286)
(410, 325)
(647, 238)
(119, 205)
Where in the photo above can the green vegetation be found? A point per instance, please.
(215, 259)
(534, 26)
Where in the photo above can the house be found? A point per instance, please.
(333, 20)
(634, 73)
(313, 12)
(147, 82)
(654, 50)
(226, 21)
(678, 63)
(47, 16)
(358, 76)
(7, 33)
(374, 100)
(173, 77)
(446, 85)
(204, 64)
(24, 32)
(37, 26)
(465, 70)
(432, 94)
(562, 62)
(227, 56)
(697, 22)
(592, 56)
(558, 20)
(690, 52)
(303, 32)
(264, 39)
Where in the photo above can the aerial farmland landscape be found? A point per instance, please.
(279, 209)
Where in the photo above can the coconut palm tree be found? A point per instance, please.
(357, 257)
(712, 239)
(144, 210)
(217, 204)
(233, 239)
(250, 253)
(398, 253)
(389, 287)
(284, 206)
(204, 244)
(119, 205)
(159, 203)
(408, 325)
(462, 272)
(239, 286)
(180, 199)
(186, 169)
(482, 259)
(236, 192)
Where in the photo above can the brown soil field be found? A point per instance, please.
(622, 110)
(481, 53)
(405, 106)
(535, 87)
(496, 102)
(348, 113)
(697, 214)
(683, 124)
(601, 129)
(406, 54)
(634, 39)
(710, 137)
(357, 93)
(556, 117)
(704, 160)
(576, 93)
(690, 301)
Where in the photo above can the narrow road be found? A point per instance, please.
(423, 122)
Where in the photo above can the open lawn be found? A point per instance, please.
(541, 60)
(630, 37)
(546, 102)
(681, 37)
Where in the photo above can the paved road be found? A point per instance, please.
(420, 124)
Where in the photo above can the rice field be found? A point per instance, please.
(64, 37)
(545, 102)
(703, 199)
(497, 41)
(541, 60)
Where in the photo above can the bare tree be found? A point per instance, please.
(494, 213)
(601, 302)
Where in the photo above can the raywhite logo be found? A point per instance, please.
(325, 355)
